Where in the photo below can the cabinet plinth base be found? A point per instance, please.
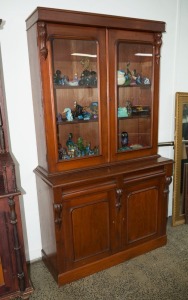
(112, 260)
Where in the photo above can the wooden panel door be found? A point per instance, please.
(88, 228)
(143, 210)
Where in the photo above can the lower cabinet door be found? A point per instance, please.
(7, 272)
(1, 274)
(2, 279)
(143, 210)
(87, 236)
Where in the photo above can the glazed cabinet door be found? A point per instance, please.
(133, 102)
(144, 210)
(74, 87)
(89, 232)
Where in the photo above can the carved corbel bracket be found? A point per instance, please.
(119, 193)
(58, 212)
(167, 184)
(42, 33)
(158, 43)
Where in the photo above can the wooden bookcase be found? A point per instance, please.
(102, 187)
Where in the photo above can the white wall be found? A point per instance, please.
(13, 42)
(181, 67)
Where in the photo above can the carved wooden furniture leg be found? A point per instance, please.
(13, 221)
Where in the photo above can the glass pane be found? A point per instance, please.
(134, 96)
(76, 98)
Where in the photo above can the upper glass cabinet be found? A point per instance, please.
(134, 97)
(99, 89)
(76, 98)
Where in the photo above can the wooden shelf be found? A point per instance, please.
(135, 117)
(76, 122)
(143, 86)
(61, 87)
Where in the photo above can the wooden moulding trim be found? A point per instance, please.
(93, 19)
(151, 161)
(17, 193)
